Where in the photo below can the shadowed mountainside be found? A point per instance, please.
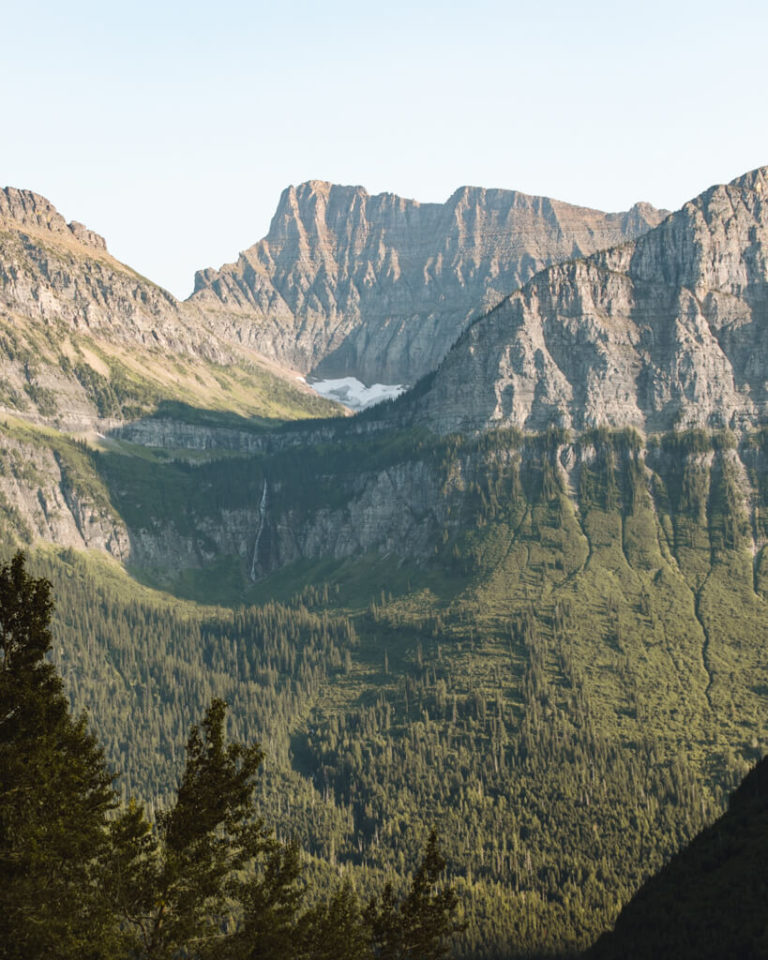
(709, 902)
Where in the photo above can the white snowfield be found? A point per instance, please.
(354, 394)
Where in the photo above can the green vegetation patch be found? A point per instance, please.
(569, 682)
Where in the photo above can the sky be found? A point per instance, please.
(171, 128)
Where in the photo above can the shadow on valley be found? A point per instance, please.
(554, 649)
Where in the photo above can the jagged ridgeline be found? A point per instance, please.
(87, 343)
(379, 287)
(492, 605)
(664, 332)
(556, 650)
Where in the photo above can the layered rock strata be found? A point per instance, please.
(667, 332)
(379, 287)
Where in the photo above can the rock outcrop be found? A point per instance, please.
(56, 273)
(379, 287)
(83, 337)
(666, 332)
(43, 496)
(25, 209)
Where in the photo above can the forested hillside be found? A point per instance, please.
(548, 643)
(566, 682)
(709, 901)
(85, 877)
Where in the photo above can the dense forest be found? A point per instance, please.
(84, 876)
(709, 901)
(568, 686)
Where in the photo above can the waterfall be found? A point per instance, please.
(262, 520)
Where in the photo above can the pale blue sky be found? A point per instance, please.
(171, 127)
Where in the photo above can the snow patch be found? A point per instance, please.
(354, 394)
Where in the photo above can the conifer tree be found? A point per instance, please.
(428, 911)
(55, 793)
(174, 891)
(422, 925)
(271, 902)
(335, 930)
(385, 924)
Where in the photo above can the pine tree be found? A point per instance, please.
(335, 930)
(132, 880)
(422, 925)
(55, 793)
(174, 889)
(271, 902)
(428, 912)
(385, 923)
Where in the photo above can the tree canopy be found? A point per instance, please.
(82, 877)
(55, 792)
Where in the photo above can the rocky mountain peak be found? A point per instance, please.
(756, 180)
(309, 211)
(639, 218)
(668, 331)
(378, 287)
(23, 209)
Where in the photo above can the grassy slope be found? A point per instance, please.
(52, 368)
(117, 380)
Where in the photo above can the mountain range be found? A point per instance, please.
(526, 600)
(379, 287)
(665, 332)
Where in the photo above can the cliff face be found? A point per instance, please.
(667, 332)
(55, 272)
(379, 287)
(408, 497)
(85, 338)
(662, 333)
(46, 495)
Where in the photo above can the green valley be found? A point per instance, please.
(524, 604)
(566, 681)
